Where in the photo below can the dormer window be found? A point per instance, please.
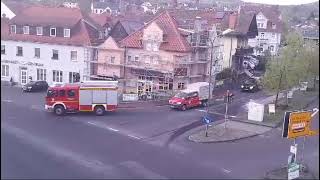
(273, 26)
(39, 31)
(13, 29)
(100, 34)
(25, 29)
(53, 31)
(66, 32)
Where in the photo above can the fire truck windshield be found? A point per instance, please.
(50, 93)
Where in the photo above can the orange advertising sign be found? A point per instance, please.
(299, 124)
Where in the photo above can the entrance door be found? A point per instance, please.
(23, 76)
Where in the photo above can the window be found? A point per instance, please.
(180, 85)
(112, 59)
(52, 31)
(273, 26)
(13, 29)
(74, 77)
(57, 76)
(25, 29)
(41, 74)
(37, 52)
(147, 60)
(73, 55)
(62, 93)
(66, 32)
(273, 35)
(136, 58)
(100, 34)
(129, 58)
(3, 49)
(155, 47)
(4, 70)
(271, 48)
(19, 51)
(262, 35)
(71, 93)
(55, 54)
(149, 47)
(39, 30)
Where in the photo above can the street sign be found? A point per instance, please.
(293, 149)
(299, 124)
(207, 119)
(296, 124)
(293, 171)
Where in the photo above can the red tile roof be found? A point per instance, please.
(83, 29)
(174, 40)
(103, 20)
(47, 16)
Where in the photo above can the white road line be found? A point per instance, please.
(226, 170)
(133, 136)
(6, 100)
(201, 110)
(116, 130)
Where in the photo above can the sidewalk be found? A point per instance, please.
(234, 131)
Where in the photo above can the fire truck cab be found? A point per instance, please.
(90, 96)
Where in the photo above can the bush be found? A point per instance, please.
(224, 74)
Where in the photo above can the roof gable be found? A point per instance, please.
(260, 15)
(110, 43)
(173, 40)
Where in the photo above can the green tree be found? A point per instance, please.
(284, 71)
(310, 56)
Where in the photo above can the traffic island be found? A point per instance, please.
(282, 173)
(233, 131)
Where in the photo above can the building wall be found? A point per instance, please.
(230, 43)
(28, 60)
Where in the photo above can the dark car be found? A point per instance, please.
(34, 86)
(250, 85)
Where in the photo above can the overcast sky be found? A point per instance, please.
(282, 2)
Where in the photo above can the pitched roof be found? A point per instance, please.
(16, 6)
(84, 30)
(47, 16)
(103, 20)
(272, 13)
(174, 40)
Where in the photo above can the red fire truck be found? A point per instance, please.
(90, 96)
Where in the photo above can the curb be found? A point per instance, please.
(230, 140)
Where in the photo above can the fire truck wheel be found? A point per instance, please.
(99, 110)
(59, 110)
(184, 107)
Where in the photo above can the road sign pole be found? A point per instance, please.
(304, 140)
(295, 156)
(206, 130)
(226, 116)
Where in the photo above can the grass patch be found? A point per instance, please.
(299, 101)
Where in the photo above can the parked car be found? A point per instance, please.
(250, 85)
(33, 86)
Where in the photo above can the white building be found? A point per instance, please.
(48, 47)
(269, 29)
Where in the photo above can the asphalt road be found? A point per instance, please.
(130, 143)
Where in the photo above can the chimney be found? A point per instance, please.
(232, 20)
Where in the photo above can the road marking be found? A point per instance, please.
(201, 110)
(226, 170)
(116, 130)
(133, 136)
(6, 100)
